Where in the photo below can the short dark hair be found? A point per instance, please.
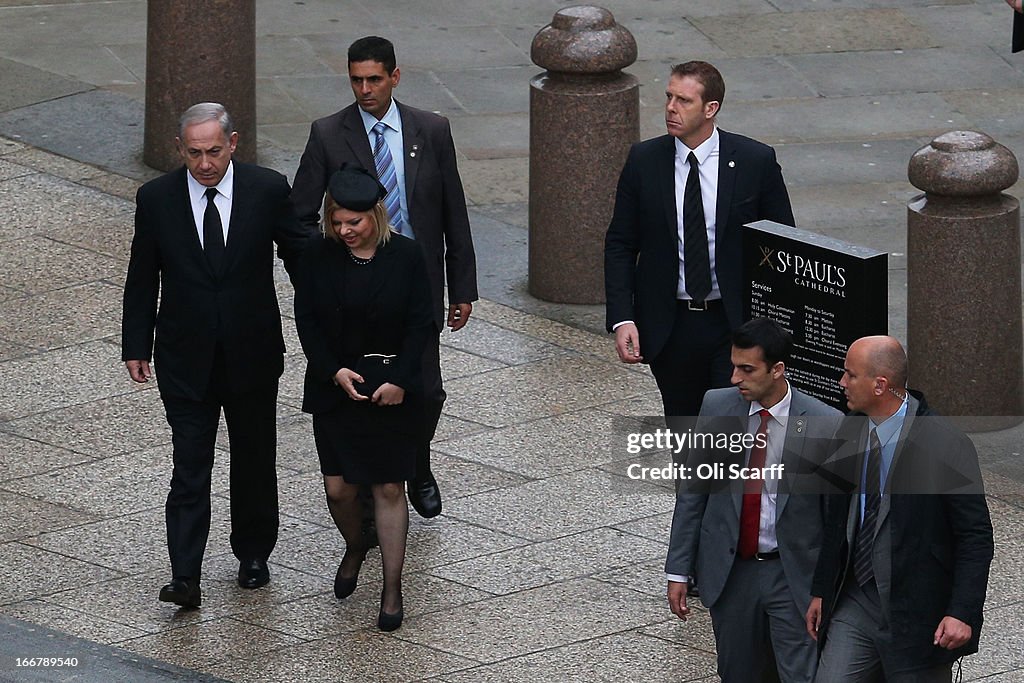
(707, 75)
(775, 342)
(373, 49)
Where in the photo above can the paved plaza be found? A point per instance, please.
(547, 563)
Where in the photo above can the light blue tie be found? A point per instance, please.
(388, 176)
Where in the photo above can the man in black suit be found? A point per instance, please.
(673, 263)
(901, 577)
(426, 203)
(204, 247)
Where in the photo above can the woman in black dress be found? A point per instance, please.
(362, 309)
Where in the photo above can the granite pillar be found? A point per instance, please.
(964, 329)
(584, 115)
(199, 51)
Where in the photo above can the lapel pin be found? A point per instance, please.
(732, 164)
(413, 152)
(799, 423)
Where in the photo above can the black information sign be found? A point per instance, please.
(825, 292)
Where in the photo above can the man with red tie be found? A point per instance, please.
(752, 537)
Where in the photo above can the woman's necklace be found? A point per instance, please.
(358, 260)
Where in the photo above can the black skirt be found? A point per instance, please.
(369, 444)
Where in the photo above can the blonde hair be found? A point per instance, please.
(380, 220)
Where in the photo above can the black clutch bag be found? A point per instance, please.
(375, 369)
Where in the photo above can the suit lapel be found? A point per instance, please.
(241, 208)
(726, 183)
(792, 448)
(741, 409)
(412, 143)
(354, 135)
(181, 210)
(886, 503)
(666, 175)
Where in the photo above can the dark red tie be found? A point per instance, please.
(750, 513)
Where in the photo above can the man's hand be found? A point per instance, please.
(627, 343)
(1016, 5)
(813, 618)
(677, 599)
(952, 633)
(139, 370)
(458, 316)
(388, 394)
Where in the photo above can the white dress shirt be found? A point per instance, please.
(223, 200)
(767, 541)
(707, 164)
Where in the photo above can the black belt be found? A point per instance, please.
(761, 557)
(700, 306)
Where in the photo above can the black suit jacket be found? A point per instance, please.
(399, 319)
(1018, 32)
(938, 527)
(641, 265)
(434, 194)
(198, 308)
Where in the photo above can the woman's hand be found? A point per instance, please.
(344, 379)
(388, 395)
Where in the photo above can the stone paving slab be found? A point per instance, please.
(22, 85)
(93, 662)
(812, 32)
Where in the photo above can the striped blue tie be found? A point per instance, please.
(388, 176)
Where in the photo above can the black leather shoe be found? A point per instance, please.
(182, 591)
(345, 586)
(425, 496)
(389, 622)
(253, 573)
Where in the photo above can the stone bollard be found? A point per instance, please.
(964, 328)
(584, 115)
(198, 51)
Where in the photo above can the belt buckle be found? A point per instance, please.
(697, 305)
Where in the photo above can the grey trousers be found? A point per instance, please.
(856, 639)
(754, 616)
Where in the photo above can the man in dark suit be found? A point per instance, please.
(754, 542)
(204, 247)
(902, 573)
(414, 155)
(673, 263)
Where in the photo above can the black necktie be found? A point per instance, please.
(696, 262)
(863, 569)
(213, 232)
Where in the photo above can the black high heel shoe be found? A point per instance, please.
(389, 622)
(345, 586)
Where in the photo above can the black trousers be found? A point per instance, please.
(252, 434)
(696, 358)
(434, 397)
